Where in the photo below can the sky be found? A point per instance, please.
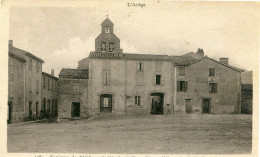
(62, 36)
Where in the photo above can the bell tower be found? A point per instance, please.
(107, 41)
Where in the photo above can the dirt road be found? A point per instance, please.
(221, 134)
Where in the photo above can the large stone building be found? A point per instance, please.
(25, 93)
(109, 80)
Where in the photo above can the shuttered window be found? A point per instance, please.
(158, 79)
(137, 100)
(181, 71)
(212, 87)
(211, 72)
(182, 86)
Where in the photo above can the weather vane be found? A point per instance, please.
(107, 15)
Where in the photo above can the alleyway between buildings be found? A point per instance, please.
(172, 134)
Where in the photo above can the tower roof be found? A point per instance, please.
(107, 21)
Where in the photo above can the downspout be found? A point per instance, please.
(24, 87)
(174, 88)
(125, 84)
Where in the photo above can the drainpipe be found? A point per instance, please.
(24, 87)
(125, 84)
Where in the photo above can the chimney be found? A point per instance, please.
(11, 42)
(223, 60)
(200, 52)
(52, 72)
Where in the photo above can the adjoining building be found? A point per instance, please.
(50, 89)
(127, 83)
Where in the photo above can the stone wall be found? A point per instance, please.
(227, 98)
(73, 90)
(16, 91)
(126, 82)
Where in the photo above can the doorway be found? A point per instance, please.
(157, 103)
(188, 106)
(105, 103)
(10, 105)
(75, 109)
(205, 105)
(36, 109)
(30, 109)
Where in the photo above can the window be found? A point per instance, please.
(182, 86)
(211, 72)
(137, 100)
(11, 86)
(181, 71)
(140, 68)
(158, 79)
(37, 87)
(103, 46)
(30, 64)
(111, 47)
(52, 85)
(105, 78)
(213, 87)
(49, 106)
(44, 82)
(48, 84)
(11, 68)
(37, 67)
(107, 30)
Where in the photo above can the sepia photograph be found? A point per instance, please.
(130, 77)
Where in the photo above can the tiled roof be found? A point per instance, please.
(17, 57)
(179, 60)
(73, 73)
(13, 49)
(49, 75)
(226, 65)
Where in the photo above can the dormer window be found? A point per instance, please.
(111, 47)
(107, 30)
(103, 46)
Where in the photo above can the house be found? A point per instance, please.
(16, 90)
(110, 81)
(29, 79)
(49, 96)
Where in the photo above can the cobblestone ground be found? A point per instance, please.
(172, 134)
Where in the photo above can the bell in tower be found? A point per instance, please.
(107, 41)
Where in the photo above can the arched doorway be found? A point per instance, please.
(106, 103)
(157, 103)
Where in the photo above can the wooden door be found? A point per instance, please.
(206, 106)
(106, 103)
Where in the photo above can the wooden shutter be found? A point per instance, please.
(154, 79)
(185, 86)
(162, 80)
(178, 86)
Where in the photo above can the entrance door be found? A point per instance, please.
(10, 105)
(188, 106)
(206, 106)
(75, 109)
(36, 108)
(30, 109)
(157, 103)
(105, 103)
